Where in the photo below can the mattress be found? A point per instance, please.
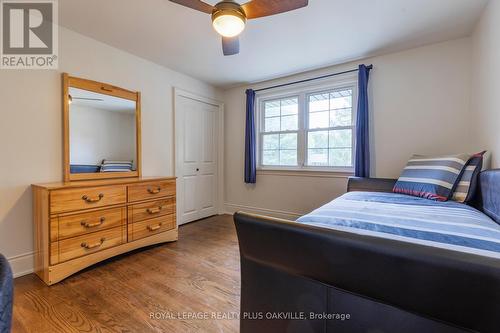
(449, 224)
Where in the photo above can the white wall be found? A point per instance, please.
(97, 134)
(420, 104)
(31, 127)
(485, 106)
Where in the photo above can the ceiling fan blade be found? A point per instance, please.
(261, 8)
(230, 45)
(195, 4)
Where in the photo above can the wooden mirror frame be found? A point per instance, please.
(106, 89)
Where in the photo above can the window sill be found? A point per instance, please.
(305, 172)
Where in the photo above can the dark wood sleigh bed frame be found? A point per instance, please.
(300, 278)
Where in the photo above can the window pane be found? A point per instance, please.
(340, 103)
(341, 99)
(317, 139)
(271, 141)
(318, 120)
(272, 124)
(341, 138)
(341, 157)
(346, 92)
(341, 117)
(319, 102)
(289, 106)
(289, 123)
(317, 157)
(288, 141)
(272, 109)
(271, 157)
(288, 157)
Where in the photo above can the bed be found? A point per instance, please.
(374, 261)
(448, 225)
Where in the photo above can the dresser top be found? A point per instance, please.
(100, 182)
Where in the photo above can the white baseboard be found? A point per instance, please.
(22, 264)
(233, 208)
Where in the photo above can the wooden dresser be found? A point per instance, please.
(78, 224)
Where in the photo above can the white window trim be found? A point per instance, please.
(302, 91)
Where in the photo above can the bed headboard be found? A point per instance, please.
(488, 194)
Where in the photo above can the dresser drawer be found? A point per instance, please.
(86, 244)
(84, 198)
(84, 223)
(157, 208)
(151, 190)
(150, 227)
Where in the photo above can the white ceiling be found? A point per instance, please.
(327, 32)
(98, 101)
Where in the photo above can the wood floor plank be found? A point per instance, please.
(157, 289)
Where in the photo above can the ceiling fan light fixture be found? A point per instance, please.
(228, 19)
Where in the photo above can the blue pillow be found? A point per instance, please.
(431, 177)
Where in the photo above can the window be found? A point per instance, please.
(330, 129)
(310, 129)
(281, 128)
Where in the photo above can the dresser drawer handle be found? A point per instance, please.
(93, 246)
(91, 200)
(154, 228)
(93, 225)
(154, 210)
(154, 190)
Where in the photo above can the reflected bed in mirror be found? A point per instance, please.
(102, 130)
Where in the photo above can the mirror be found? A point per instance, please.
(102, 130)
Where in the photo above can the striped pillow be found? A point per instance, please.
(466, 187)
(116, 166)
(431, 177)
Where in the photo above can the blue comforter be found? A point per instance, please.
(448, 224)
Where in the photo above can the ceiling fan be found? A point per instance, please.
(229, 17)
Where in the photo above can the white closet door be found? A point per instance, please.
(196, 136)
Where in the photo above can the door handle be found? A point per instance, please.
(197, 169)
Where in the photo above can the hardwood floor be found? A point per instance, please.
(157, 289)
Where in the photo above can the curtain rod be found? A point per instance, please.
(311, 79)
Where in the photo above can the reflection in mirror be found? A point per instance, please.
(102, 132)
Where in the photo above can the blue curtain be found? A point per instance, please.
(362, 158)
(250, 153)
